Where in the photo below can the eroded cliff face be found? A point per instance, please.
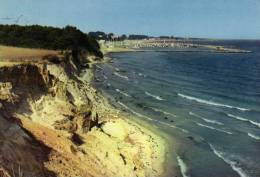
(35, 101)
(53, 123)
(18, 149)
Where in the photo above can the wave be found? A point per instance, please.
(120, 75)
(136, 113)
(164, 112)
(234, 165)
(237, 117)
(98, 67)
(211, 103)
(213, 128)
(150, 119)
(206, 120)
(141, 75)
(183, 167)
(154, 96)
(172, 126)
(253, 136)
(244, 119)
(123, 93)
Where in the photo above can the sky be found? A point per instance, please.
(225, 19)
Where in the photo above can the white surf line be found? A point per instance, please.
(150, 119)
(253, 136)
(183, 167)
(211, 103)
(98, 67)
(120, 75)
(206, 120)
(232, 164)
(105, 77)
(173, 126)
(213, 128)
(154, 96)
(141, 74)
(245, 120)
(164, 112)
(123, 93)
(136, 113)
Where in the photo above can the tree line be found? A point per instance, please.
(46, 37)
(99, 35)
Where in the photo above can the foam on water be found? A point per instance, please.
(206, 120)
(237, 117)
(150, 119)
(164, 112)
(253, 136)
(245, 120)
(100, 68)
(213, 128)
(154, 96)
(183, 167)
(123, 93)
(234, 165)
(141, 75)
(211, 103)
(188, 89)
(120, 75)
(173, 126)
(136, 113)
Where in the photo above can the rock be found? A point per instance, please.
(76, 139)
(114, 129)
(191, 138)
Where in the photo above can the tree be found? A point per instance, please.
(36, 36)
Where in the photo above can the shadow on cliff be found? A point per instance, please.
(20, 153)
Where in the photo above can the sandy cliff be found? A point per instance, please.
(54, 123)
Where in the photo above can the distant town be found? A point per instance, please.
(111, 42)
(99, 35)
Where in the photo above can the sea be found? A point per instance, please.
(208, 104)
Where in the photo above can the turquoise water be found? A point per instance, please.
(209, 103)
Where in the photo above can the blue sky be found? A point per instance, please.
(188, 18)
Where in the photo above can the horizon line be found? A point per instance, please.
(149, 35)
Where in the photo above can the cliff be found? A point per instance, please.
(54, 123)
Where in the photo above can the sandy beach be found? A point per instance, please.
(83, 134)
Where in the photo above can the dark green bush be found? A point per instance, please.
(46, 37)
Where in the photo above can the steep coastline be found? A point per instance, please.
(55, 123)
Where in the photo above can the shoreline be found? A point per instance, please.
(132, 120)
(170, 164)
(83, 133)
(139, 45)
(107, 50)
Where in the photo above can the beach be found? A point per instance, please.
(78, 132)
(206, 102)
